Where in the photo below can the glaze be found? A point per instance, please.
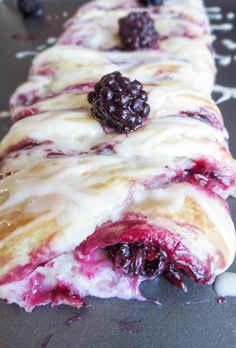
(226, 93)
(230, 44)
(225, 284)
(23, 54)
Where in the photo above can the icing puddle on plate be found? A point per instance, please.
(225, 285)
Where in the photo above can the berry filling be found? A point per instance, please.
(119, 103)
(205, 115)
(26, 99)
(139, 248)
(80, 87)
(137, 31)
(207, 175)
(37, 258)
(26, 144)
(39, 293)
(32, 97)
(28, 147)
(14, 150)
(138, 259)
(112, 262)
(142, 260)
(64, 294)
(30, 111)
(106, 148)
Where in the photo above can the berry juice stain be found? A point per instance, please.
(46, 341)
(77, 316)
(129, 325)
(22, 37)
(221, 300)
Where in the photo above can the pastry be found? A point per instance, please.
(117, 165)
(95, 226)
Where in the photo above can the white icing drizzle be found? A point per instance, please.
(230, 16)
(49, 17)
(4, 114)
(23, 54)
(41, 47)
(223, 60)
(222, 27)
(225, 284)
(191, 303)
(230, 44)
(226, 93)
(51, 40)
(215, 16)
(213, 38)
(214, 9)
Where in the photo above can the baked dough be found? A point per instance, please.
(86, 212)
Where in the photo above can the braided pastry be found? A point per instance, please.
(117, 165)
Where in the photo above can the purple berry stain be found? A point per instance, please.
(129, 325)
(46, 341)
(77, 316)
(221, 300)
(22, 37)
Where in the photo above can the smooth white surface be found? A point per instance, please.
(225, 284)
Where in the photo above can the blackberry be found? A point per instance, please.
(119, 103)
(137, 259)
(151, 2)
(137, 31)
(30, 7)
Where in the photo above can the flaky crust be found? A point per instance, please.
(71, 188)
(51, 208)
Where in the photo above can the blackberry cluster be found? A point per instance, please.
(137, 31)
(30, 7)
(138, 259)
(151, 2)
(119, 103)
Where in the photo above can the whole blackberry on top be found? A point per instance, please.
(119, 103)
(137, 31)
(30, 7)
(151, 2)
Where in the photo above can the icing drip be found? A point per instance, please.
(4, 114)
(230, 44)
(224, 60)
(214, 9)
(222, 27)
(227, 93)
(225, 284)
(215, 16)
(230, 16)
(23, 54)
